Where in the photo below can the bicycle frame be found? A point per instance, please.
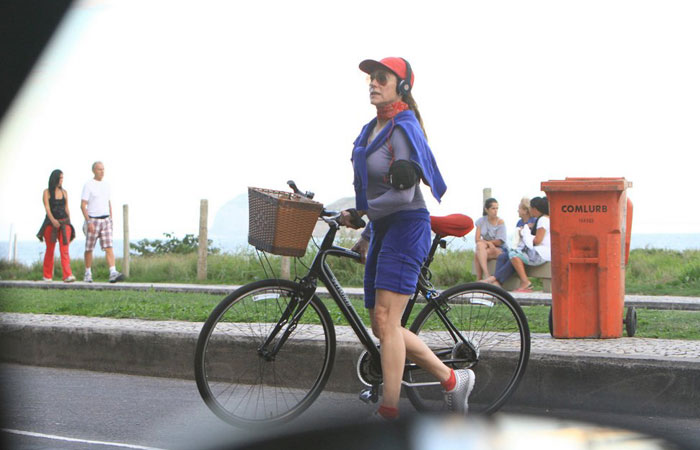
(320, 270)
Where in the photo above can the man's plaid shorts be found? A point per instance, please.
(103, 230)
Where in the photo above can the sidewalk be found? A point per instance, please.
(654, 376)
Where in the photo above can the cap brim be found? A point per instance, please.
(370, 65)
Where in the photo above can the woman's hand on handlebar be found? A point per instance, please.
(345, 218)
(352, 218)
(361, 247)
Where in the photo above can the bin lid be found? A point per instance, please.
(573, 184)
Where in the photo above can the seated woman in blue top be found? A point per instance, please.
(390, 157)
(524, 216)
(490, 238)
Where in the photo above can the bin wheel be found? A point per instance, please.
(631, 321)
(551, 324)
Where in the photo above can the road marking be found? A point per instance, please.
(82, 441)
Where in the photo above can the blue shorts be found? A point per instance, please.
(398, 246)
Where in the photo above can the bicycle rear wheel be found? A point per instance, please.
(237, 380)
(489, 319)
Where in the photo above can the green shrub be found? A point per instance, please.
(171, 245)
(690, 273)
(14, 271)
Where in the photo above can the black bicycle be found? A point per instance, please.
(266, 351)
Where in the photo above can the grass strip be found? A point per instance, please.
(649, 272)
(152, 305)
(148, 305)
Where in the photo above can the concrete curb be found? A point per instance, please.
(555, 379)
(526, 299)
(612, 384)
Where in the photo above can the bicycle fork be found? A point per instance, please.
(295, 308)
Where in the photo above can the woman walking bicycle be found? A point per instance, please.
(266, 351)
(390, 158)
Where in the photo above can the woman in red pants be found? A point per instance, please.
(56, 227)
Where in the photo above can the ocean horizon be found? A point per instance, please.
(29, 252)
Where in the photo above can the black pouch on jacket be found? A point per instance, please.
(403, 174)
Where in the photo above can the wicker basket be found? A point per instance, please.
(280, 222)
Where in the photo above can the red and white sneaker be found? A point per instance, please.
(457, 399)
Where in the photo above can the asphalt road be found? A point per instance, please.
(74, 409)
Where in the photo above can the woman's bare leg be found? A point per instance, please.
(519, 267)
(481, 258)
(397, 343)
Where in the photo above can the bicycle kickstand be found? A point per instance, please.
(371, 394)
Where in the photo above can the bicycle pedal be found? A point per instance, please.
(369, 395)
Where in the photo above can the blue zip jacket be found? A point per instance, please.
(420, 154)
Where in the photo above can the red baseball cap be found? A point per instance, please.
(393, 64)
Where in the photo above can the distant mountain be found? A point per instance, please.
(231, 220)
(341, 204)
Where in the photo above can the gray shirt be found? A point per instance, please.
(382, 198)
(491, 232)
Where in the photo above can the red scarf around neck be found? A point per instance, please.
(387, 112)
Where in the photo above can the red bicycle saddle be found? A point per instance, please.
(456, 225)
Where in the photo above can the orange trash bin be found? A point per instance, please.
(591, 221)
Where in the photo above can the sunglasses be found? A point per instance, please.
(381, 76)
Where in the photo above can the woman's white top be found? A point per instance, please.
(544, 249)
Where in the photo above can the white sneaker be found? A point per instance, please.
(457, 399)
(88, 277)
(47, 279)
(115, 276)
(69, 279)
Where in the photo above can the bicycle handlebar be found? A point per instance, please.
(329, 216)
(307, 194)
(329, 213)
(356, 220)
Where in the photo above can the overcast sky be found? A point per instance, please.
(185, 101)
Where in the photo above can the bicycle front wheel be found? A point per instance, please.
(490, 335)
(239, 378)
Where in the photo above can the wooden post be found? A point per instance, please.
(202, 258)
(487, 193)
(286, 267)
(9, 242)
(125, 261)
(14, 249)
